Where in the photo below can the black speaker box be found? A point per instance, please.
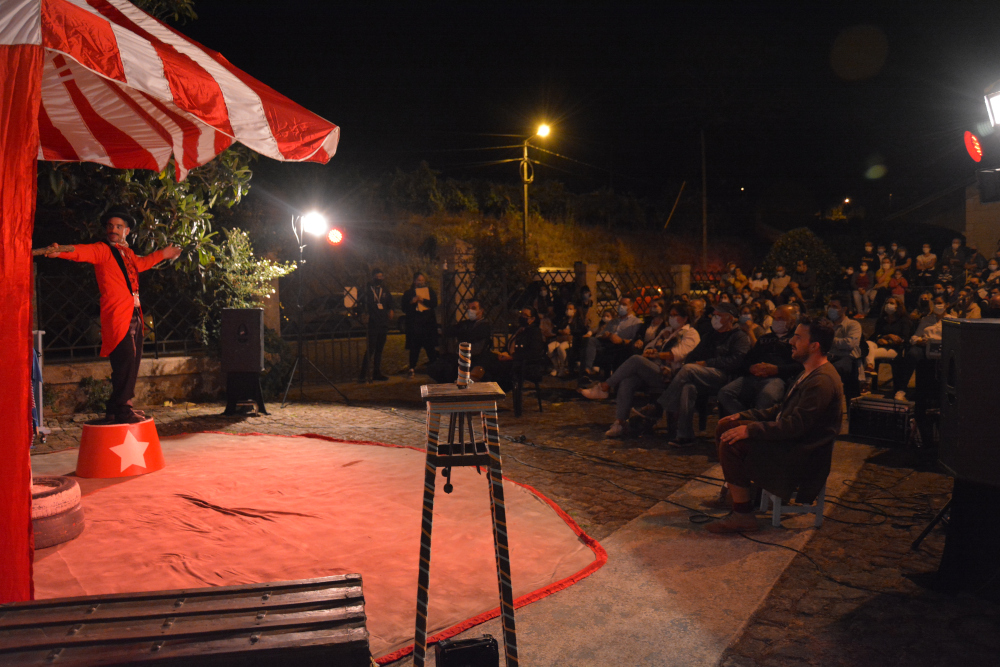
(989, 185)
(970, 400)
(242, 340)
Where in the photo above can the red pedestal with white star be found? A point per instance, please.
(119, 450)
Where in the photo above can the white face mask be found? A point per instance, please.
(939, 309)
(674, 321)
(779, 327)
(890, 308)
(780, 274)
(472, 314)
(717, 322)
(606, 318)
(746, 318)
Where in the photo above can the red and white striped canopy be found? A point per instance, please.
(125, 90)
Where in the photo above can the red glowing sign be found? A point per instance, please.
(335, 236)
(972, 145)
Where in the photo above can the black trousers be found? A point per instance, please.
(125, 360)
(373, 353)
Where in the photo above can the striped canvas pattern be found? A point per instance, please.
(122, 89)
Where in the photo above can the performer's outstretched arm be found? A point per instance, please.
(155, 257)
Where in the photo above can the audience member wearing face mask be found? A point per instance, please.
(712, 364)
(926, 264)
(892, 331)
(525, 355)
(652, 369)
(928, 331)
(846, 346)
(613, 344)
(780, 291)
(863, 290)
(991, 276)
(652, 324)
(953, 258)
(570, 331)
(766, 369)
(474, 329)
(965, 307)
(758, 283)
(868, 256)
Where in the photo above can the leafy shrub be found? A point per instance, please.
(799, 244)
(96, 393)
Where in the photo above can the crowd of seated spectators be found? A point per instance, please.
(730, 339)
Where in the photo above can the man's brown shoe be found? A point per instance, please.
(734, 522)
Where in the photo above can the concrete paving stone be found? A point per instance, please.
(942, 630)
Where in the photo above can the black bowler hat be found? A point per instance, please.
(119, 213)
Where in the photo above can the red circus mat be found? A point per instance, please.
(231, 509)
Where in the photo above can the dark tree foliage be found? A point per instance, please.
(799, 244)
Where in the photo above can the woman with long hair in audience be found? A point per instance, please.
(892, 331)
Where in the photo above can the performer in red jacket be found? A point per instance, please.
(117, 270)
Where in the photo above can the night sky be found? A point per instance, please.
(805, 95)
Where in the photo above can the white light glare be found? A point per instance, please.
(314, 223)
(993, 107)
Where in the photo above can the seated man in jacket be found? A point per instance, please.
(789, 446)
(475, 330)
(767, 368)
(710, 366)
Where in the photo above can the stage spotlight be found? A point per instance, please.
(314, 223)
(973, 146)
(335, 236)
(993, 104)
(544, 130)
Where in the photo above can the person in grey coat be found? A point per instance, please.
(789, 446)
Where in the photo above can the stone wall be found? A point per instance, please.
(164, 379)
(982, 222)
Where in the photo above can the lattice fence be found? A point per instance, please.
(69, 313)
(331, 329)
(501, 302)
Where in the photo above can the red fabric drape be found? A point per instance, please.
(20, 95)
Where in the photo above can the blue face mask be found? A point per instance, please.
(622, 311)
(746, 318)
(833, 313)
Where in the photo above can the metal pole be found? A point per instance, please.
(704, 207)
(676, 202)
(525, 166)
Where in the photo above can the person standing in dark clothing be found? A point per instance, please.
(376, 306)
(419, 304)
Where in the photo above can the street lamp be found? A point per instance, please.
(527, 176)
(313, 223)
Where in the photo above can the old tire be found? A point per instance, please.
(58, 528)
(53, 495)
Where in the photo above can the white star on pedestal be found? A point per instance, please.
(131, 452)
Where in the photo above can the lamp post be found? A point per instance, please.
(527, 177)
(314, 224)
